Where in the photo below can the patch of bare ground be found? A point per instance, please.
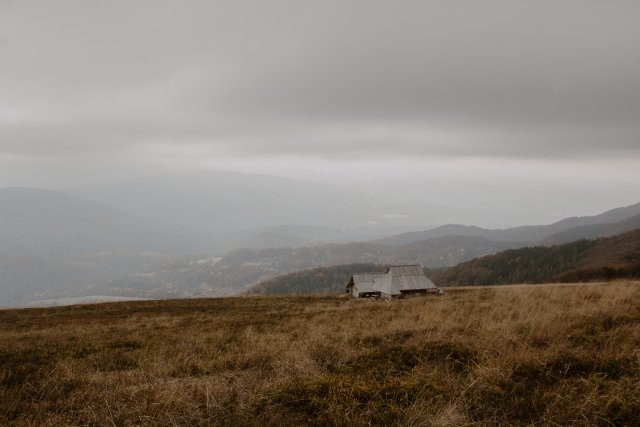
(546, 355)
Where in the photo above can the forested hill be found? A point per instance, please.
(583, 260)
(316, 280)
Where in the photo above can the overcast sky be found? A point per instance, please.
(475, 101)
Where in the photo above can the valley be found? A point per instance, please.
(55, 246)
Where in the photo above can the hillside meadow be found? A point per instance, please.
(512, 355)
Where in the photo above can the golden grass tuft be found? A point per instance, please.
(513, 355)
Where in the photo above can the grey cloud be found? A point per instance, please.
(415, 62)
(357, 79)
(358, 141)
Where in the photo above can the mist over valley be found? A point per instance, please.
(220, 233)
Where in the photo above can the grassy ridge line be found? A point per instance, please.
(501, 356)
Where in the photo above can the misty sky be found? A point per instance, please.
(511, 103)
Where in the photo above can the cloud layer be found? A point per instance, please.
(93, 86)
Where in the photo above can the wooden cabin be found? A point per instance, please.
(399, 281)
(361, 285)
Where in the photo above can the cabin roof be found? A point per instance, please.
(365, 281)
(403, 278)
(406, 270)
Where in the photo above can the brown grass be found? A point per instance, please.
(546, 355)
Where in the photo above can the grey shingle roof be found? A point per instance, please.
(402, 278)
(364, 281)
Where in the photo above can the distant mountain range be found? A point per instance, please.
(156, 236)
(47, 222)
(584, 260)
(246, 267)
(163, 237)
(593, 231)
(53, 244)
(232, 209)
(442, 247)
(569, 229)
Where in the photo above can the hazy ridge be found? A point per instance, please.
(558, 232)
(55, 245)
(584, 260)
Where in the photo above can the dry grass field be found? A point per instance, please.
(515, 355)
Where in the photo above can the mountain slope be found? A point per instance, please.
(53, 244)
(44, 221)
(579, 261)
(442, 231)
(594, 231)
(534, 233)
(219, 204)
(435, 252)
(604, 258)
(244, 267)
(316, 280)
